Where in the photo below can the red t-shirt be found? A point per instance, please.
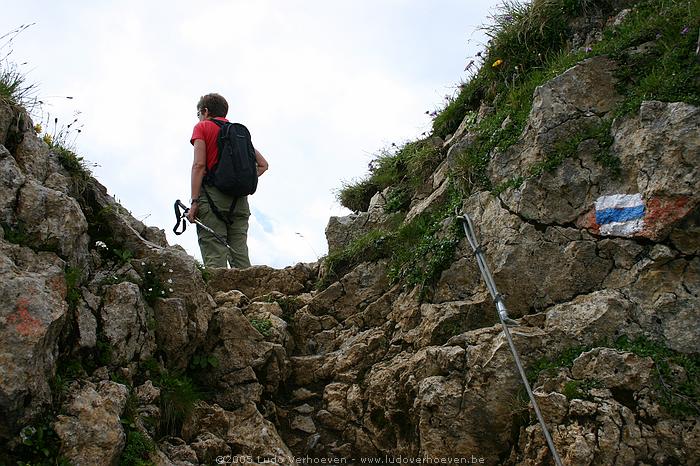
(208, 131)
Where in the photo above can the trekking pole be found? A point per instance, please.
(505, 321)
(181, 220)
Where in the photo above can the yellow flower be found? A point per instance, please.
(497, 63)
(38, 128)
(48, 139)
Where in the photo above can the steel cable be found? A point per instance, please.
(505, 321)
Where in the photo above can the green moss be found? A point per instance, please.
(138, 445)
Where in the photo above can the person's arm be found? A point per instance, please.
(262, 163)
(199, 167)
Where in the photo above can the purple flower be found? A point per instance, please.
(508, 18)
(589, 50)
(658, 35)
(685, 31)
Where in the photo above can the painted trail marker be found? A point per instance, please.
(620, 214)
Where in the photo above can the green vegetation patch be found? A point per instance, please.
(550, 365)
(679, 389)
(73, 277)
(137, 449)
(177, 397)
(655, 46)
(418, 251)
(264, 326)
(404, 170)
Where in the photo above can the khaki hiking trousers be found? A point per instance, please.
(215, 254)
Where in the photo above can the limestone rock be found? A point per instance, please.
(87, 326)
(583, 95)
(613, 369)
(91, 431)
(260, 280)
(178, 451)
(53, 221)
(342, 231)
(208, 447)
(11, 179)
(250, 434)
(125, 323)
(33, 312)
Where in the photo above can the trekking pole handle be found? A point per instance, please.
(180, 217)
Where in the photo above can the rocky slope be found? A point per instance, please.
(116, 347)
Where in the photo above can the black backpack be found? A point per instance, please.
(236, 171)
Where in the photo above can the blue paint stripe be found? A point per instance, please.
(619, 215)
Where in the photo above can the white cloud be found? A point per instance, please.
(321, 85)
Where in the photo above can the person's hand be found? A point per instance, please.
(192, 214)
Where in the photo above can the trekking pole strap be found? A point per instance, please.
(503, 317)
(180, 217)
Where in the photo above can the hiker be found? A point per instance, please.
(228, 216)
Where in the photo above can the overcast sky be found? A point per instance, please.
(322, 85)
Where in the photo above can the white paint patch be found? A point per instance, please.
(622, 228)
(618, 201)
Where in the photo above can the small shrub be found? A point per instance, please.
(40, 446)
(137, 449)
(15, 234)
(204, 361)
(103, 352)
